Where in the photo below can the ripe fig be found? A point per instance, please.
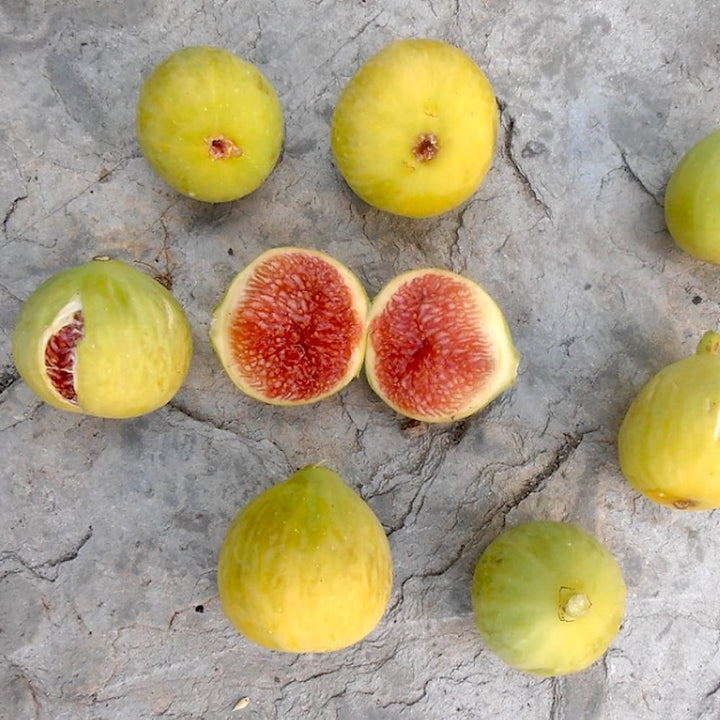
(305, 566)
(103, 339)
(210, 124)
(438, 348)
(548, 598)
(669, 440)
(414, 130)
(290, 329)
(692, 200)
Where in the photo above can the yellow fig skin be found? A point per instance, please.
(204, 99)
(137, 344)
(306, 566)
(669, 440)
(414, 130)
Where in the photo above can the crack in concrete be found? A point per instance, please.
(49, 569)
(11, 210)
(8, 378)
(636, 178)
(508, 122)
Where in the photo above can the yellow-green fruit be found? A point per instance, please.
(548, 598)
(103, 339)
(210, 124)
(414, 130)
(305, 566)
(692, 200)
(669, 440)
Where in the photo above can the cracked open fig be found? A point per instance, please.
(669, 440)
(414, 130)
(290, 329)
(548, 598)
(210, 124)
(103, 339)
(692, 200)
(438, 348)
(305, 566)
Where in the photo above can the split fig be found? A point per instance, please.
(103, 339)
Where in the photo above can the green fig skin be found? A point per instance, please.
(136, 346)
(692, 200)
(305, 566)
(548, 598)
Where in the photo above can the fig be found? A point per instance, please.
(290, 329)
(210, 124)
(438, 348)
(414, 130)
(103, 339)
(692, 200)
(669, 439)
(548, 598)
(305, 566)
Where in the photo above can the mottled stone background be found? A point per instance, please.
(110, 530)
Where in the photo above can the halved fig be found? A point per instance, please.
(439, 348)
(290, 329)
(103, 339)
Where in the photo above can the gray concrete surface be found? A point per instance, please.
(110, 530)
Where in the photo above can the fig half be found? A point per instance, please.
(439, 348)
(103, 339)
(290, 329)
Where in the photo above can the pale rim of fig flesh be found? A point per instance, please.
(67, 316)
(237, 294)
(491, 331)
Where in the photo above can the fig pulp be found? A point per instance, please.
(103, 339)
(290, 329)
(669, 440)
(414, 130)
(692, 200)
(305, 566)
(210, 124)
(548, 598)
(438, 346)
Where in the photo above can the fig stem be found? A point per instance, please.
(573, 604)
(709, 343)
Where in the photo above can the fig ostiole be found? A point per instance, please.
(439, 348)
(306, 566)
(669, 440)
(290, 329)
(548, 598)
(103, 339)
(414, 130)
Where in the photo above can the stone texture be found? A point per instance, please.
(110, 530)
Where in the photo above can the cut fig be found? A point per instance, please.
(103, 339)
(291, 327)
(439, 348)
